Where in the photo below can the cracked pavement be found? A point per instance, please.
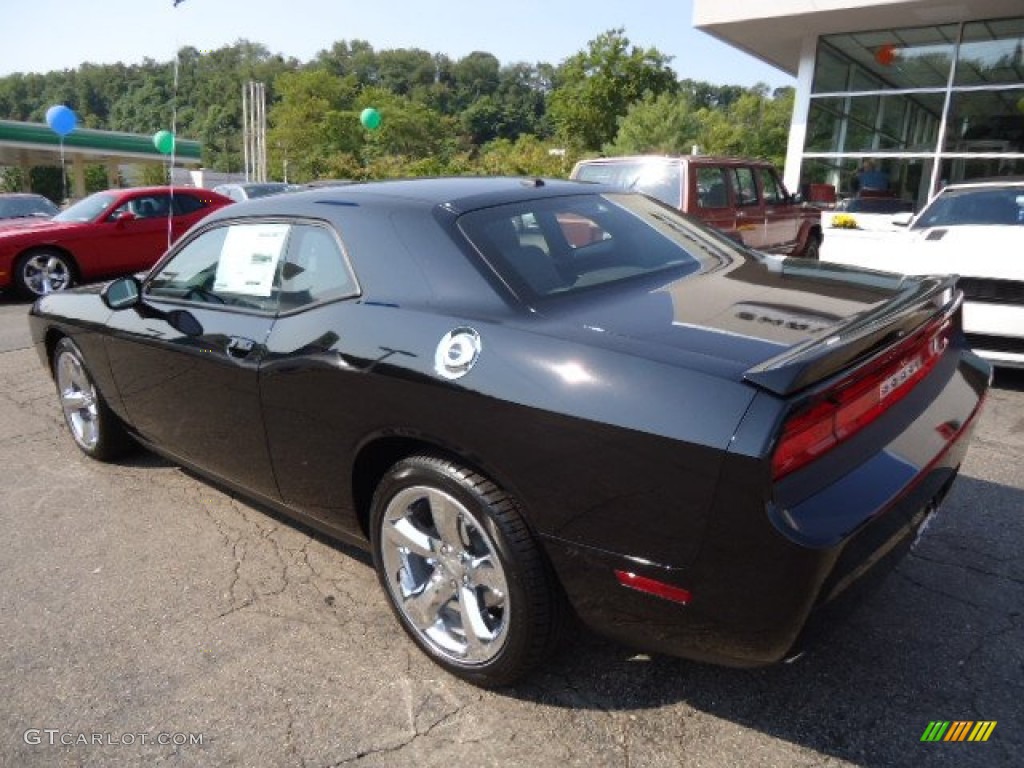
(138, 599)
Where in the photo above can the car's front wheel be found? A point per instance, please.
(462, 572)
(43, 271)
(95, 428)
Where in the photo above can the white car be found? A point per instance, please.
(252, 189)
(974, 230)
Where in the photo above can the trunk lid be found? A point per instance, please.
(781, 324)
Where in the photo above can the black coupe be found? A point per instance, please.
(530, 398)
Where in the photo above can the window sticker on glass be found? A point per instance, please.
(248, 261)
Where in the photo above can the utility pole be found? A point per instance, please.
(254, 130)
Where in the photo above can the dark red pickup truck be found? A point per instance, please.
(738, 196)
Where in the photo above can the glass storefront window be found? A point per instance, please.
(900, 122)
(986, 121)
(824, 125)
(967, 168)
(891, 59)
(908, 178)
(880, 95)
(831, 72)
(992, 52)
(860, 126)
(892, 114)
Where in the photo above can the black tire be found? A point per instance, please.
(96, 430)
(451, 546)
(812, 250)
(43, 271)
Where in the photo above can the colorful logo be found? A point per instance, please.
(958, 730)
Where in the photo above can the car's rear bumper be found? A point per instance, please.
(761, 574)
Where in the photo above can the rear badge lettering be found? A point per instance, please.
(899, 378)
(457, 353)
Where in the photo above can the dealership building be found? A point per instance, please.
(927, 91)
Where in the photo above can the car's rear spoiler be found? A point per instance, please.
(862, 339)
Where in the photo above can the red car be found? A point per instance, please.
(110, 233)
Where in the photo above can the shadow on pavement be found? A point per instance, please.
(1009, 378)
(941, 639)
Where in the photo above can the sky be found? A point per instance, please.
(63, 34)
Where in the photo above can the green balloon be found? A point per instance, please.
(164, 142)
(370, 118)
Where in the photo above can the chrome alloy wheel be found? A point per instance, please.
(443, 572)
(45, 273)
(78, 400)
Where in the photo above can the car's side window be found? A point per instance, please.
(711, 188)
(774, 193)
(144, 207)
(315, 268)
(744, 186)
(186, 204)
(235, 265)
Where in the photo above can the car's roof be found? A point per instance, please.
(154, 190)
(252, 184)
(457, 194)
(33, 195)
(998, 181)
(691, 159)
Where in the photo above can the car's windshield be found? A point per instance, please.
(21, 207)
(562, 245)
(89, 208)
(657, 178)
(262, 190)
(980, 205)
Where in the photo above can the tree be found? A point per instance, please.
(345, 58)
(403, 70)
(663, 124)
(408, 129)
(440, 115)
(306, 125)
(708, 95)
(475, 76)
(526, 156)
(595, 87)
(755, 125)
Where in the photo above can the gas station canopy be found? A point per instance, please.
(24, 145)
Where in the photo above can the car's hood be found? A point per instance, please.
(971, 251)
(18, 227)
(750, 311)
(19, 222)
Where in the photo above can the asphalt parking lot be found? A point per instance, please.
(149, 618)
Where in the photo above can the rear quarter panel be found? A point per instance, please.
(617, 452)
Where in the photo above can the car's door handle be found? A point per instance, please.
(240, 347)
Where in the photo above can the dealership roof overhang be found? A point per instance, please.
(30, 144)
(774, 32)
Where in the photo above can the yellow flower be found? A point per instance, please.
(844, 221)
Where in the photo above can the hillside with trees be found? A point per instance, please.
(440, 115)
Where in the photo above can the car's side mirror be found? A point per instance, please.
(902, 219)
(126, 293)
(123, 293)
(124, 217)
(796, 198)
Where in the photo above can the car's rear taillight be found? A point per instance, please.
(858, 399)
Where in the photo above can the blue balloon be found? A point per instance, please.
(62, 120)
